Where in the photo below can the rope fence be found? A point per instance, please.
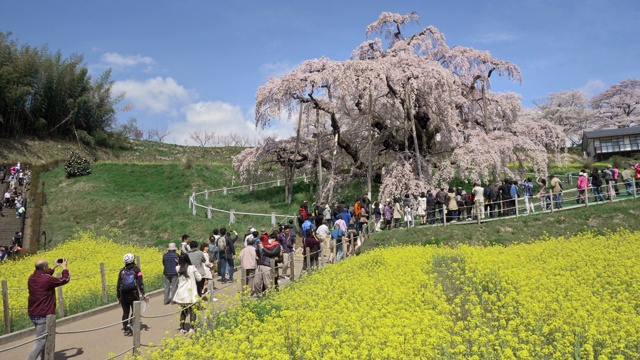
(194, 205)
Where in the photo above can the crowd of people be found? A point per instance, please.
(14, 198)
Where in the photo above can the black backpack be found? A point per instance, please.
(128, 280)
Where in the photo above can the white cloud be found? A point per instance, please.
(119, 60)
(593, 87)
(211, 116)
(494, 37)
(156, 95)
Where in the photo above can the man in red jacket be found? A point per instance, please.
(42, 299)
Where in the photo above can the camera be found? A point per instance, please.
(59, 261)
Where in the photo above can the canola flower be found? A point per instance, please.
(84, 253)
(559, 298)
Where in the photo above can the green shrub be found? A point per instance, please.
(587, 162)
(77, 165)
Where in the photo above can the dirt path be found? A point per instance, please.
(101, 344)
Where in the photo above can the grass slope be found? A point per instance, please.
(148, 202)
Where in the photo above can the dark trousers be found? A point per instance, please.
(126, 301)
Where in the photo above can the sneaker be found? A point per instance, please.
(214, 299)
(287, 277)
(191, 331)
(183, 331)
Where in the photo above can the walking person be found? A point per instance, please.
(42, 299)
(287, 241)
(249, 262)
(198, 260)
(187, 293)
(208, 266)
(169, 262)
(130, 289)
(422, 208)
(583, 184)
(377, 215)
(627, 179)
(478, 200)
(596, 183)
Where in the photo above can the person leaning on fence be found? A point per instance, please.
(42, 299)
(263, 272)
(596, 183)
(582, 185)
(311, 244)
(187, 294)
(627, 179)
(130, 289)
(169, 262)
(287, 241)
(249, 262)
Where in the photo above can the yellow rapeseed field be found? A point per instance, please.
(84, 253)
(562, 298)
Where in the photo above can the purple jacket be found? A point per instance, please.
(287, 243)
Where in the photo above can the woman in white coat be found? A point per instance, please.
(186, 294)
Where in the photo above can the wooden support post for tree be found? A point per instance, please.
(61, 307)
(308, 259)
(5, 307)
(50, 342)
(137, 322)
(103, 276)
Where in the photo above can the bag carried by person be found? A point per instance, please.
(128, 280)
(222, 243)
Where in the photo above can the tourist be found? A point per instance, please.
(543, 194)
(337, 236)
(527, 185)
(197, 260)
(288, 242)
(627, 179)
(441, 204)
(208, 265)
(596, 183)
(312, 245)
(226, 246)
(186, 295)
(478, 200)
(397, 213)
(452, 206)
(42, 299)
(184, 246)
(249, 262)
(582, 185)
(388, 214)
(130, 288)
(324, 236)
(377, 215)
(431, 208)
(169, 262)
(267, 254)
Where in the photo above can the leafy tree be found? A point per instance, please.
(425, 108)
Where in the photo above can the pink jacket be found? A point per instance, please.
(583, 182)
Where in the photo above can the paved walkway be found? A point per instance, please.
(101, 344)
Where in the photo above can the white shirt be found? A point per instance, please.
(323, 231)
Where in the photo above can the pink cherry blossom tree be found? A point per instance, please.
(618, 105)
(570, 110)
(423, 110)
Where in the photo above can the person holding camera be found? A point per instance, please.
(42, 299)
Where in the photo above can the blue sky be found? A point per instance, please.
(191, 65)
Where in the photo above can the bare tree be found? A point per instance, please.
(158, 134)
(204, 138)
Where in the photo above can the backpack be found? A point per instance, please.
(222, 243)
(128, 277)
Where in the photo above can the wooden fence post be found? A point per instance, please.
(224, 191)
(334, 249)
(322, 254)
(5, 307)
(293, 265)
(206, 194)
(272, 264)
(103, 276)
(209, 212)
(344, 248)
(138, 261)
(50, 343)
(635, 192)
(552, 201)
(611, 193)
(308, 258)
(517, 211)
(61, 309)
(274, 223)
(232, 217)
(137, 322)
(243, 274)
(210, 287)
(586, 196)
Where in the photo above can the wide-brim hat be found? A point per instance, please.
(172, 246)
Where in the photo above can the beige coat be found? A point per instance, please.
(187, 293)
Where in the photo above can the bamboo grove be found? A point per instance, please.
(45, 95)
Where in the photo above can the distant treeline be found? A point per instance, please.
(47, 96)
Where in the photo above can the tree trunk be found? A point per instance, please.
(415, 136)
(289, 196)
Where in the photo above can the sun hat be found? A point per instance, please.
(172, 246)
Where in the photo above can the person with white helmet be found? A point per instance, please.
(130, 289)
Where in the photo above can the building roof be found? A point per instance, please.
(612, 132)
